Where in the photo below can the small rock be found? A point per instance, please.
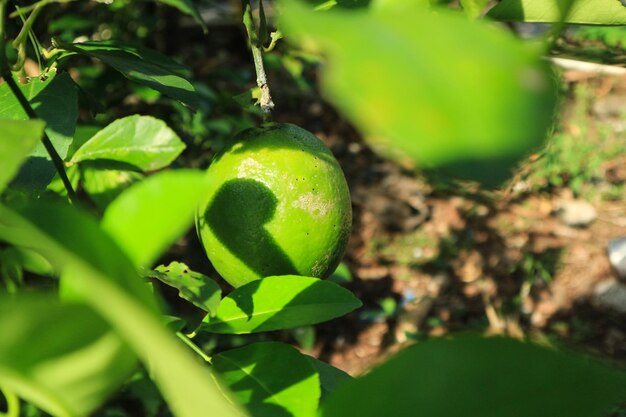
(610, 295)
(521, 187)
(576, 213)
(530, 30)
(610, 106)
(615, 340)
(616, 250)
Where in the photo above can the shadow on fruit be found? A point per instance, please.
(237, 216)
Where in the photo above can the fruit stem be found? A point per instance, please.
(265, 101)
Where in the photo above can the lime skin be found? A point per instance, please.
(278, 204)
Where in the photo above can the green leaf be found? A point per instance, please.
(271, 379)
(100, 277)
(56, 185)
(63, 358)
(67, 22)
(82, 134)
(330, 377)
(137, 52)
(28, 260)
(18, 141)
(143, 65)
(135, 142)
(105, 185)
(55, 101)
(45, 228)
(473, 8)
(474, 376)
(305, 337)
(280, 302)
(597, 12)
(187, 6)
(148, 217)
(194, 287)
(175, 324)
(341, 275)
(348, 4)
(431, 85)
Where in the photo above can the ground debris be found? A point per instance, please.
(576, 213)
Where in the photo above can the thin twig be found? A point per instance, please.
(28, 24)
(274, 38)
(265, 101)
(194, 347)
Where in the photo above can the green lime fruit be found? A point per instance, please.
(278, 205)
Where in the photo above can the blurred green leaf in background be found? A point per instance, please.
(19, 140)
(448, 92)
(598, 12)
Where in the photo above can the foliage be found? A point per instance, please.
(85, 217)
(394, 83)
(611, 36)
(601, 12)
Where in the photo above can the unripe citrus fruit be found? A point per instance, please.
(278, 205)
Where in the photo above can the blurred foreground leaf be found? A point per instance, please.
(105, 185)
(596, 12)
(473, 8)
(45, 227)
(63, 358)
(330, 377)
(18, 141)
(447, 91)
(149, 216)
(474, 376)
(99, 274)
